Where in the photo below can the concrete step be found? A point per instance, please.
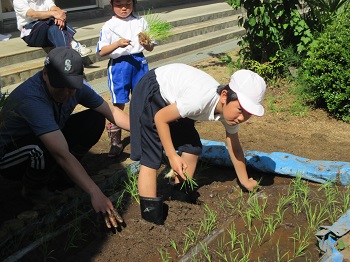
(211, 24)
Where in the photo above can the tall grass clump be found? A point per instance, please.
(158, 29)
(325, 73)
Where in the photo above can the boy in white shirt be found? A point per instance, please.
(165, 105)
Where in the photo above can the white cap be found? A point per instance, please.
(250, 89)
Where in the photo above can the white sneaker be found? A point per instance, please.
(81, 49)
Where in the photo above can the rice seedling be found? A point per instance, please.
(189, 184)
(209, 221)
(206, 251)
(316, 214)
(272, 223)
(345, 199)
(260, 234)
(257, 209)
(164, 256)
(221, 248)
(246, 249)
(282, 206)
(279, 257)
(75, 233)
(300, 194)
(301, 242)
(173, 244)
(158, 29)
(332, 193)
(247, 217)
(130, 186)
(233, 236)
(223, 256)
(190, 237)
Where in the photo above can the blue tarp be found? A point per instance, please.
(328, 236)
(319, 171)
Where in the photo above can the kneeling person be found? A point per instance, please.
(39, 134)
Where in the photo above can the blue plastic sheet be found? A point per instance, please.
(319, 171)
(328, 236)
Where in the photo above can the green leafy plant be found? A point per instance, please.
(322, 12)
(209, 221)
(189, 183)
(341, 245)
(271, 26)
(325, 73)
(164, 256)
(130, 186)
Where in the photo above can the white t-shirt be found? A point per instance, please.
(193, 91)
(21, 8)
(115, 29)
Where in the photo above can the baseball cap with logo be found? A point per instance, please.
(250, 89)
(65, 68)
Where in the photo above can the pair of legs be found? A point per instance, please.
(185, 139)
(28, 159)
(115, 134)
(147, 148)
(147, 185)
(45, 33)
(123, 74)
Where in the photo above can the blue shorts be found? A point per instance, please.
(123, 74)
(144, 139)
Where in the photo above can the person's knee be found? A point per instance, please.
(53, 30)
(191, 149)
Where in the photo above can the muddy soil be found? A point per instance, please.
(184, 237)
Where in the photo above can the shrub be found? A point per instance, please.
(271, 26)
(325, 74)
(322, 12)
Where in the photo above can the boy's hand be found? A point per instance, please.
(178, 165)
(250, 184)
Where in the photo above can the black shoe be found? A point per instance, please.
(152, 209)
(179, 193)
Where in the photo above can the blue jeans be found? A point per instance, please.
(45, 33)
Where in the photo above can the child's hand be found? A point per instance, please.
(250, 184)
(123, 42)
(146, 41)
(178, 165)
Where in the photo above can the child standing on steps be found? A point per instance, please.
(166, 103)
(119, 38)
